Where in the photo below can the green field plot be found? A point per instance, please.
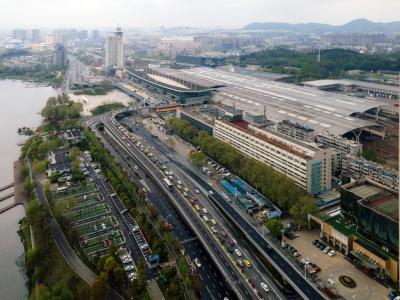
(76, 190)
(96, 226)
(87, 212)
(102, 242)
(71, 203)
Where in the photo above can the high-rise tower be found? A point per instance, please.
(114, 51)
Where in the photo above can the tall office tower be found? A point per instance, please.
(114, 51)
(35, 36)
(95, 35)
(19, 34)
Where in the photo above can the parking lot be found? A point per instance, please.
(335, 266)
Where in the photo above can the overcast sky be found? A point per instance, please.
(200, 13)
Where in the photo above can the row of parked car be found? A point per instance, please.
(326, 249)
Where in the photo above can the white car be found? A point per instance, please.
(144, 246)
(205, 210)
(179, 182)
(205, 218)
(238, 252)
(327, 249)
(197, 262)
(211, 192)
(332, 253)
(135, 228)
(214, 230)
(197, 191)
(264, 286)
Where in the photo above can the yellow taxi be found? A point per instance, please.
(247, 263)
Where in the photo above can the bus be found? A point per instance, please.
(167, 182)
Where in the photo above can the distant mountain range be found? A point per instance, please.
(357, 25)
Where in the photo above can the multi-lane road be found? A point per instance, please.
(218, 255)
(277, 259)
(214, 284)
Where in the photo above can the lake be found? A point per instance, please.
(20, 106)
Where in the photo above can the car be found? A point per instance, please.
(332, 253)
(136, 167)
(322, 247)
(103, 225)
(205, 211)
(296, 254)
(185, 194)
(197, 262)
(205, 218)
(135, 228)
(211, 192)
(197, 191)
(238, 252)
(179, 182)
(197, 207)
(264, 286)
(316, 268)
(213, 230)
(327, 249)
(247, 263)
(213, 222)
(144, 246)
(240, 263)
(132, 276)
(305, 261)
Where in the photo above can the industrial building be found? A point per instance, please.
(308, 166)
(160, 80)
(347, 85)
(358, 167)
(366, 227)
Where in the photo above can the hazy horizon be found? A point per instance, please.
(191, 13)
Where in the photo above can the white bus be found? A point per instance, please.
(167, 182)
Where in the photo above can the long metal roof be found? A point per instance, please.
(322, 111)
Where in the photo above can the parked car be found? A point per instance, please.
(247, 263)
(238, 252)
(264, 286)
(327, 249)
(197, 262)
(332, 253)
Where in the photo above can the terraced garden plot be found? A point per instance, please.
(95, 226)
(72, 203)
(76, 190)
(98, 243)
(87, 212)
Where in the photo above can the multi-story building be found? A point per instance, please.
(177, 45)
(50, 54)
(340, 147)
(115, 56)
(296, 130)
(308, 165)
(95, 35)
(359, 167)
(366, 227)
(35, 36)
(19, 34)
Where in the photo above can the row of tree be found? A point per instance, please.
(277, 187)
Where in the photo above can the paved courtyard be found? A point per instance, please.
(333, 267)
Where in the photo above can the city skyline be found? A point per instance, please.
(220, 13)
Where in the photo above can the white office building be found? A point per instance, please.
(308, 165)
(115, 51)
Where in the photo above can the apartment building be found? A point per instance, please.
(308, 165)
(359, 167)
(340, 147)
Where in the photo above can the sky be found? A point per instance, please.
(196, 13)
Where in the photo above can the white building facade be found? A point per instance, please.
(309, 166)
(115, 55)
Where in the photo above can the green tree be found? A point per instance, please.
(275, 226)
(302, 207)
(98, 289)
